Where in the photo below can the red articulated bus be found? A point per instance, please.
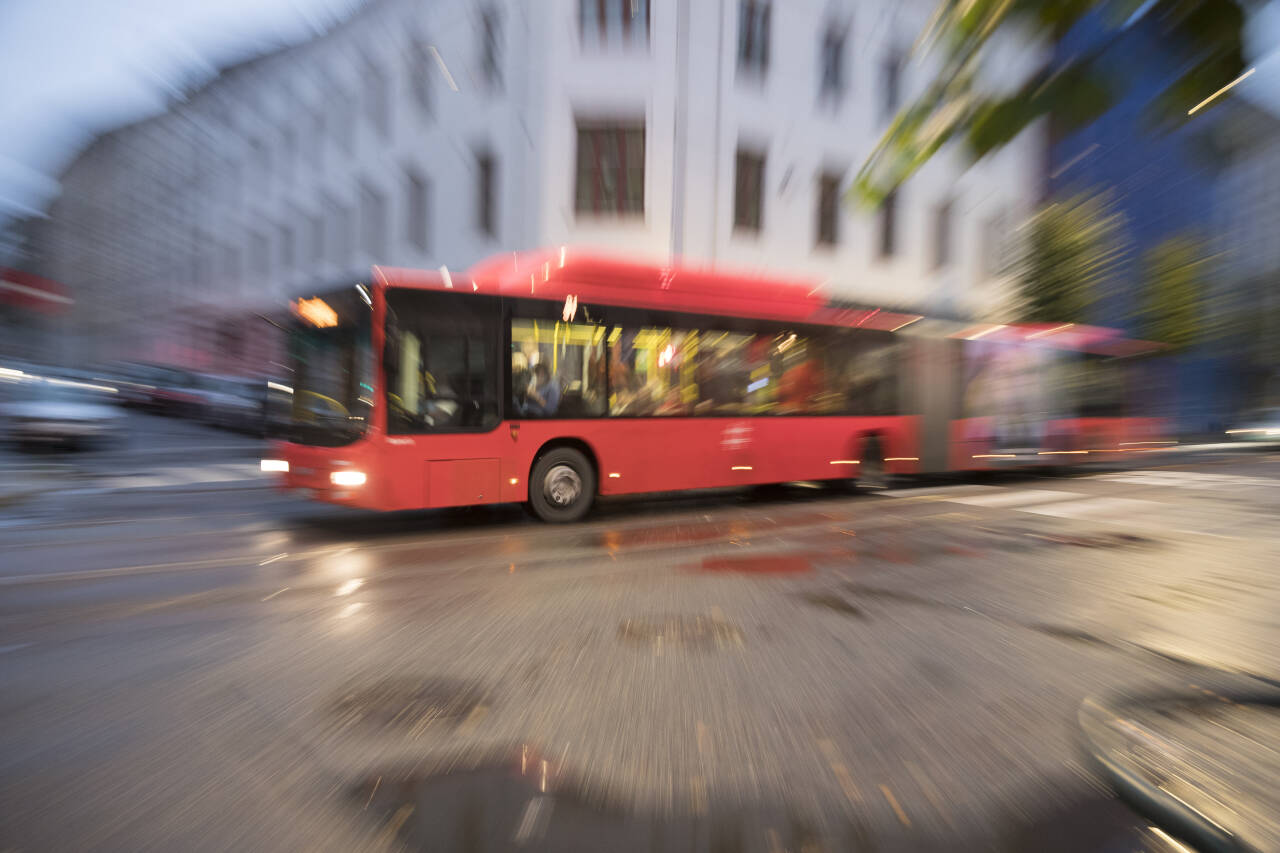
(554, 377)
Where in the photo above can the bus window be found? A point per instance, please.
(652, 371)
(557, 369)
(440, 367)
(657, 371)
(861, 375)
(722, 374)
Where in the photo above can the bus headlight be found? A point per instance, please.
(348, 478)
(281, 465)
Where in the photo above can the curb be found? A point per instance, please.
(1106, 738)
(29, 483)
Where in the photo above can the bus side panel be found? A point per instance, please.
(823, 448)
(670, 454)
(645, 454)
(1110, 435)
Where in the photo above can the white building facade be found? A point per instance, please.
(722, 132)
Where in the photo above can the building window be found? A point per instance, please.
(341, 237)
(890, 85)
(828, 209)
(416, 209)
(260, 157)
(832, 84)
(486, 186)
(753, 35)
(259, 254)
(610, 174)
(230, 262)
(606, 23)
(420, 75)
(377, 99)
(490, 34)
(287, 258)
(289, 152)
(344, 119)
(748, 190)
(888, 243)
(315, 145)
(315, 240)
(942, 229)
(373, 222)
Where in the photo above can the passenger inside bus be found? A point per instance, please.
(543, 398)
(800, 386)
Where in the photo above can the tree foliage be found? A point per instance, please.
(1072, 249)
(1173, 297)
(1205, 38)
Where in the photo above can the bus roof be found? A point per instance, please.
(557, 274)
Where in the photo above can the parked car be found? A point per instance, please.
(232, 402)
(174, 392)
(1260, 425)
(60, 411)
(133, 382)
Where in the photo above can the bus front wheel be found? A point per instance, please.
(563, 485)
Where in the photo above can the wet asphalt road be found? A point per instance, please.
(224, 668)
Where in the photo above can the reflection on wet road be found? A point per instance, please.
(724, 672)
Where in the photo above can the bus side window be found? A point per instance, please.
(557, 369)
(866, 374)
(653, 371)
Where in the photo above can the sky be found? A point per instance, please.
(70, 69)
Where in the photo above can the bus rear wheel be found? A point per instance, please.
(871, 473)
(562, 486)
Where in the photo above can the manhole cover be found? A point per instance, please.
(694, 632)
(406, 703)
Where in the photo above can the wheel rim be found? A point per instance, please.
(562, 485)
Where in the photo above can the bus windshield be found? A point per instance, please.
(331, 356)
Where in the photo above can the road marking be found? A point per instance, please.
(841, 772)
(13, 647)
(93, 574)
(533, 822)
(1187, 479)
(930, 790)
(270, 560)
(1016, 498)
(274, 594)
(1095, 506)
(924, 491)
(392, 828)
(147, 568)
(897, 809)
(699, 794)
(469, 723)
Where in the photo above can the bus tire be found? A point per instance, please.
(871, 473)
(562, 486)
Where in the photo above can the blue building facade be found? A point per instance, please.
(1163, 184)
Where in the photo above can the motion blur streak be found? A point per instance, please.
(639, 425)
